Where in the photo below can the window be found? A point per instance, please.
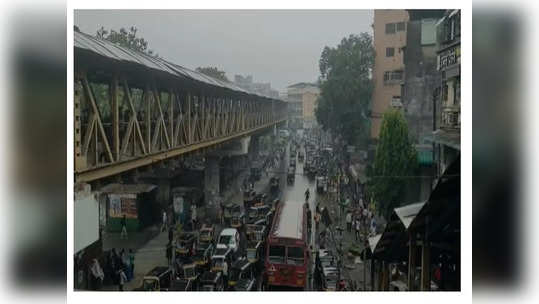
(276, 254)
(401, 27)
(390, 28)
(396, 75)
(393, 76)
(295, 256)
(390, 52)
(396, 102)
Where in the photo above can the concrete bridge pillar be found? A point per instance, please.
(211, 177)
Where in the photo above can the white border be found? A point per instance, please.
(466, 138)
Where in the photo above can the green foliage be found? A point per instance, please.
(126, 39)
(213, 72)
(396, 158)
(346, 88)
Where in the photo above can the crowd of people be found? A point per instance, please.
(119, 269)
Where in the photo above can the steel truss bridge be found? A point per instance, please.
(132, 110)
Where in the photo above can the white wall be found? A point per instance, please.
(86, 221)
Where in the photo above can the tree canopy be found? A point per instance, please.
(395, 161)
(126, 39)
(213, 72)
(346, 88)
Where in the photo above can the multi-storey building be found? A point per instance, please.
(389, 40)
(446, 137)
(301, 99)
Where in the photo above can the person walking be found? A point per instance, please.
(122, 279)
(349, 222)
(124, 227)
(132, 261)
(193, 217)
(164, 226)
(357, 227)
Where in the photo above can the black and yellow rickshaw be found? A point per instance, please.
(240, 270)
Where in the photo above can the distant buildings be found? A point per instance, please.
(301, 98)
(246, 83)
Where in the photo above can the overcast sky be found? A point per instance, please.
(278, 46)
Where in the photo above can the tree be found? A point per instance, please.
(346, 88)
(394, 163)
(213, 72)
(126, 39)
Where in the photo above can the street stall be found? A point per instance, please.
(134, 201)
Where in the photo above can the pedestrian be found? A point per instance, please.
(132, 261)
(349, 221)
(169, 253)
(124, 228)
(164, 226)
(193, 216)
(358, 227)
(225, 273)
(122, 279)
(97, 275)
(170, 234)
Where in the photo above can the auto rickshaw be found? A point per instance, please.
(248, 197)
(181, 285)
(188, 271)
(238, 217)
(207, 233)
(227, 215)
(241, 270)
(260, 215)
(157, 279)
(260, 200)
(301, 156)
(256, 233)
(291, 176)
(211, 281)
(219, 258)
(185, 244)
(203, 254)
(255, 252)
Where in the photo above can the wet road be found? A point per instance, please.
(295, 193)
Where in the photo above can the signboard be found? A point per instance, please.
(449, 58)
(123, 204)
(115, 205)
(178, 204)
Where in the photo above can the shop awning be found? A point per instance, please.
(450, 139)
(127, 188)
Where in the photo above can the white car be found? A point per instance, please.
(229, 238)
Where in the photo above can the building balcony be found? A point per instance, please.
(450, 118)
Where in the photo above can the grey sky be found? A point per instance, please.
(278, 46)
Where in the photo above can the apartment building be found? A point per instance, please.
(389, 40)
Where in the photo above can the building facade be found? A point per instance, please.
(301, 98)
(446, 137)
(389, 40)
